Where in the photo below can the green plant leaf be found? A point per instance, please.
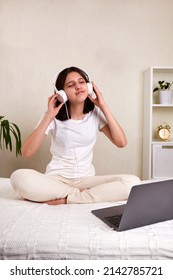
(17, 137)
(163, 86)
(6, 134)
(6, 130)
(1, 137)
(155, 89)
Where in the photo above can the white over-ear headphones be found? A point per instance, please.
(62, 96)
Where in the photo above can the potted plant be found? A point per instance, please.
(7, 130)
(165, 92)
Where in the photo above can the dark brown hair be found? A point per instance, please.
(59, 84)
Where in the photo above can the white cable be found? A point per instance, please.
(73, 147)
(66, 111)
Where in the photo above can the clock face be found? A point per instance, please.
(164, 133)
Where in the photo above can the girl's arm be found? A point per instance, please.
(34, 140)
(112, 129)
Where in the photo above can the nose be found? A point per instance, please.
(78, 85)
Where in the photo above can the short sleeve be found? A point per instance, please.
(49, 128)
(101, 118)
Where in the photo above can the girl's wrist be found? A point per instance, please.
(49, 116)
(103, 107)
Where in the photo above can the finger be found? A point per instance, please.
(60, 105)
(51, 97)
(96, 90)
(94, 86)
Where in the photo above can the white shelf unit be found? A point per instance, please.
(157, 159)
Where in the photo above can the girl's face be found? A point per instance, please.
(75, 87)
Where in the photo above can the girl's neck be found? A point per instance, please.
(76, 111)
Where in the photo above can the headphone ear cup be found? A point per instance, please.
(90, 88)
(61, 96)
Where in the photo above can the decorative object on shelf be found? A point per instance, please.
(6, 130)
(164, 132)
(165, 92)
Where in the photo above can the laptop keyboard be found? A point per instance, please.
(115, 220)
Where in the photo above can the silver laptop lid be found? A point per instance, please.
(147, 204)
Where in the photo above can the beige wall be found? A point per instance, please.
(114, 40)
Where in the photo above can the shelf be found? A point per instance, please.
(166, 143)
(157, 160)
(162, 105)
(161, 69)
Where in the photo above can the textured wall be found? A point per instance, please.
(114, 40)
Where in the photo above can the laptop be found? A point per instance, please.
(147, 204)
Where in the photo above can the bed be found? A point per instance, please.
(36, 231)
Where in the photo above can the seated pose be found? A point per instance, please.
(73, 118)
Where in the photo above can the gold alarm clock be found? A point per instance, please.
(163, 132)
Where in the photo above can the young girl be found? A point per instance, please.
(73, 125)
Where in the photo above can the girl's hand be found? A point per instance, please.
(51, 105)
(99, 100)
(112, 129)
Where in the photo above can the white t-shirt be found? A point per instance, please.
(72, 145)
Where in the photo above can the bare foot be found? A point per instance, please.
(50, 202)
(56, 201)
(81, 190)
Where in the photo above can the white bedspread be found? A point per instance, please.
(39, 231)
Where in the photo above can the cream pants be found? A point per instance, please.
(39, 187)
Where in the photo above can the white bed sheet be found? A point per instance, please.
(39, 231)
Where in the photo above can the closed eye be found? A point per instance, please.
(72, 83)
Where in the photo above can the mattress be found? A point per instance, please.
(31, 230)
